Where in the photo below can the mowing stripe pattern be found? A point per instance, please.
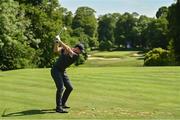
(99, 93)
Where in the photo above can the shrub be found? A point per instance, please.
(16, 56)
(157, 57)
(81, 60)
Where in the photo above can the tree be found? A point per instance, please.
(15, 51)
(174, 28)
(46, 21)
(85, 20)
(68, 18)
(162, 12)
(143, 23)
(156, 34)
(106, 27)
(28, 28)
(105, 45)
(126, 29)
(32, 2)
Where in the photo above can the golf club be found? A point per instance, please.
(63, 29)
(59, 34)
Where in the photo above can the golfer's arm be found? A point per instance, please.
(57, 48)
(66, 47)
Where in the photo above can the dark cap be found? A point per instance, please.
(80, 46)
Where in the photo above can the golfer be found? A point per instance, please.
(67, 56)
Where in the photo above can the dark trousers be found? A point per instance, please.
(61, 79)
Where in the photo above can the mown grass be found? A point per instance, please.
(115, 54)
(114, 59)
(100, 93)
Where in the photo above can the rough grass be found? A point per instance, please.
(100, 93)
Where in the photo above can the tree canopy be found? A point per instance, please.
(28, 27)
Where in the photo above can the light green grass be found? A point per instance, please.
(114, 59)
(114, 54)
(99, 93)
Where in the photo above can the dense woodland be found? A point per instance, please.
(28, 28)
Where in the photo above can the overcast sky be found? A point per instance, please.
(143, 7)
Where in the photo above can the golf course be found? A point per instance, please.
(89, 60)
(110, 85)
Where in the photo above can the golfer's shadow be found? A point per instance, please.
(29, 112)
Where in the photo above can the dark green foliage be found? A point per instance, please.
(174, 28)
(22, 57)
(46, 21)
(130, 31)
(28, 27)
(157, 57)
(68, 18)
(85, 19)
(162, 12)
(156, 33)
(143, 23)
(81, 59)
(15, 51)
(105, 45)
(32, 2)
(84, 25)
(106, 26)
(27, 31)
(126, 31)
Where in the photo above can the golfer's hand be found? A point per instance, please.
(57, 39)
(71, 54)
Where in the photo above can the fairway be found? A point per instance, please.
(99, 93)
(114, 59)
(89, 60)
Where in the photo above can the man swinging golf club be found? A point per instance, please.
(58, 72)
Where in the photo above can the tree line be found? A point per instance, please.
(28, 27)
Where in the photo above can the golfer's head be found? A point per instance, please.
(79, 48)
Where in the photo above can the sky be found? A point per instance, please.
(143, 7)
